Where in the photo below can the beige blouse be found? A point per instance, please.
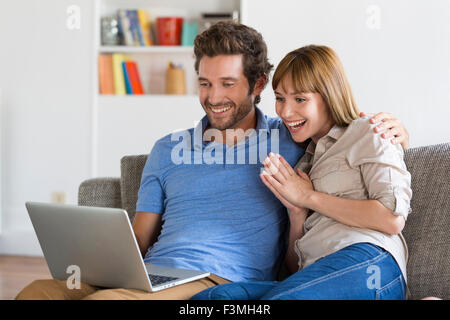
(354, 163)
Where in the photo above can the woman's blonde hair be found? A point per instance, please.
(317, 69)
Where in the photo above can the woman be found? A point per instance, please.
(348, 196)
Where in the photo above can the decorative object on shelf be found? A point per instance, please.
(190, 31)
(169, 30)
(175, 80)
(110, 31)
(208, 19)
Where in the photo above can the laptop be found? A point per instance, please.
(101, 243)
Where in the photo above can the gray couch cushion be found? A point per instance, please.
(100, 192)
(131, 168)
(428, 226)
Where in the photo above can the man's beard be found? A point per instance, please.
(231, 122)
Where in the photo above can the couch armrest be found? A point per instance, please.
(100, 192)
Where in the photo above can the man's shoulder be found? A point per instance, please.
(161, 153)
(273, 122)
(173, 138)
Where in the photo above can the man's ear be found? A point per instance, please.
(260, 85)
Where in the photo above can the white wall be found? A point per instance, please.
(45, 80)
(402, 68)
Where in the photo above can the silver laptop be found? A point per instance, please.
(101, 243)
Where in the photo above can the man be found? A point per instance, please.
(210, 211)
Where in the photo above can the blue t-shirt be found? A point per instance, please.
(218, 216)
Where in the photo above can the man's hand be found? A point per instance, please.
(389, 126)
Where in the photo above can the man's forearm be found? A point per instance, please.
(146, 228)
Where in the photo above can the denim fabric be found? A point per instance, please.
(361, 271)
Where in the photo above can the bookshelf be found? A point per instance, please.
(117, 119)
(153, 60)
(149, 49)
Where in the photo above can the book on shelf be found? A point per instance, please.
(105, 74)
(133, 77)
(144, 22)
(124, 27)
(126, 78)
(119, 80)
(118, 74)
(135, 27)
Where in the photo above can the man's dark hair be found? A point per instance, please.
(227, 38)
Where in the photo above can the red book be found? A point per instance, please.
(135, 80)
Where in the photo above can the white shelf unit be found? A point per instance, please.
(127, 124)
(149, 49)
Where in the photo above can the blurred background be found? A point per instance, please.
(85, 82)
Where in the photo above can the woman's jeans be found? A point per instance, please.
(359, 271)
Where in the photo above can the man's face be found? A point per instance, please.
(224, 91)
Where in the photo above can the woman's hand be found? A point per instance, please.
(295, 212)
(290, 187)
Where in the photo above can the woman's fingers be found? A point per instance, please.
(275, 167)
(276, 159)
(287, 166)
(302, 174)
(272, 181)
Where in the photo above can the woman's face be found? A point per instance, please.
(306, 115)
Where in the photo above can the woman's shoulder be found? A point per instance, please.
(361, 125)
(362, 130)
(366, 143)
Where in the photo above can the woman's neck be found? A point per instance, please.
(323, 131)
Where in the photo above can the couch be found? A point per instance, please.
(427, 229)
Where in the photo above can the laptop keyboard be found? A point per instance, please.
(156, 280)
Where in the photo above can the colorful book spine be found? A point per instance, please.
(124, 27)
(119, 81)
(144, 23)
(105, 74)
(126, 77)
(137, 24)
(133, 27)
(135, 80)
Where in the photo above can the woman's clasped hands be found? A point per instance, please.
(292, 188)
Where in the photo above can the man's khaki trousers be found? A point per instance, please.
(58, 290)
